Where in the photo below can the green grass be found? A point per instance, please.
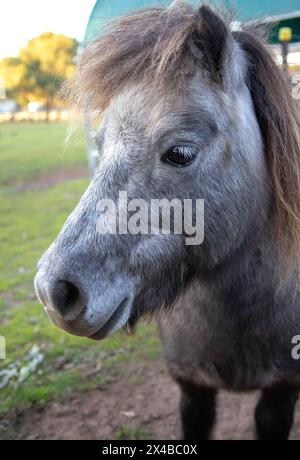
(131, 433)
(29, 221)
(32, 149)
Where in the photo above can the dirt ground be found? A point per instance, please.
(48, 179)
(126, 410)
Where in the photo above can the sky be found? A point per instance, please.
(20, 20)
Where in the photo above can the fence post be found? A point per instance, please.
(92, 151)
(2, 347)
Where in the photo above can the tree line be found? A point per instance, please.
(38, 71)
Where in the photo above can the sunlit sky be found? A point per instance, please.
(21, 20)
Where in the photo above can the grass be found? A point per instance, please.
(29, 221)
(32, 149)
(131, 433)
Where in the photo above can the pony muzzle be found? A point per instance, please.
(70, 308)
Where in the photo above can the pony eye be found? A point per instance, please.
(179, 155)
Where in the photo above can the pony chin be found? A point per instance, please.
(83, 327)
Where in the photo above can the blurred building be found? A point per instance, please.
(8, 106)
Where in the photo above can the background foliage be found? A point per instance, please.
(41, 67)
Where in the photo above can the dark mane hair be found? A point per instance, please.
(163, 45)
(153, 43)
(278, 117)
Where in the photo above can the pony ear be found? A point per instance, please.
(214, 40)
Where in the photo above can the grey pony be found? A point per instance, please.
(226, 317)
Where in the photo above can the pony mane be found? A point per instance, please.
(163, 45)
(153, 44)
(278, 117)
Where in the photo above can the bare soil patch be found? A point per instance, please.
(145, 409)
(47, 179)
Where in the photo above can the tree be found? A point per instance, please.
(40, 68)
(13, 70)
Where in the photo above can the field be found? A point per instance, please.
(31, 151)
(54, 385)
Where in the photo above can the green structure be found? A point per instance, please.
(278, 12)
(291, 20)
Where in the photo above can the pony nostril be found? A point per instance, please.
(66, 299)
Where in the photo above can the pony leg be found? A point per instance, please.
(197, 410)
(274, 413)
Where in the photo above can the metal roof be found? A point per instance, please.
(271, 10)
